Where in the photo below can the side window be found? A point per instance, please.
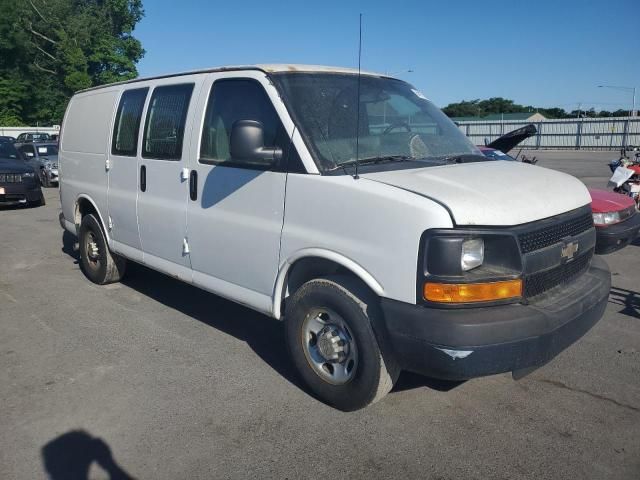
(127, 125)
(166, 118)
(232, 100)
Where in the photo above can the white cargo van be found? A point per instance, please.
(350, 207)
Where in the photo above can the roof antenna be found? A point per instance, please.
(356, 177)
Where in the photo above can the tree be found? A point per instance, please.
(463, 109)
(51, 48)
(481, 108)
(554, 112)
(496, 105)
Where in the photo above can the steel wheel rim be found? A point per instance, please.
(329, 346)
(92, 251)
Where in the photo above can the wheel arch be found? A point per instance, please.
(310, 263)
(84, 206)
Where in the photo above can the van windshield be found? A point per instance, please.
(396, 121)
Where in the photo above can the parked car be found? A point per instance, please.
(44, 158)
(32, 137)
(18, 182)
(615, 217)
(6, 138)
(401, 247)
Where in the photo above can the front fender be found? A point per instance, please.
(335, 257)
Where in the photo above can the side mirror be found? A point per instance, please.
(247, 143)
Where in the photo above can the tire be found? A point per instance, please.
(339, 302)
(45, 180)
(97, 262)
(40, 202)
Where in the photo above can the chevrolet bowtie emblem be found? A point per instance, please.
(569, 250)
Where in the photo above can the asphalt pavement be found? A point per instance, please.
(155, 379)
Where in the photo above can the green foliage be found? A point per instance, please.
(481, 108)
(496, 105)
(51, 48)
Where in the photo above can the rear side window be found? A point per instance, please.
(230, 101)
(165, 122)
(127, 126)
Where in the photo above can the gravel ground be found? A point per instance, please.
(155, 379)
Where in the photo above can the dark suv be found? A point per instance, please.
(19, 184)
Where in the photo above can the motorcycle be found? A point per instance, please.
(626, 176)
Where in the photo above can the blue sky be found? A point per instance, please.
(544, 53)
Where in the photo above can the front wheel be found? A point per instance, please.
(40, 201)
(329, 331)
(98, 263)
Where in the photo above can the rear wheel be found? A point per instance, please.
(98, 263)
(329, 330)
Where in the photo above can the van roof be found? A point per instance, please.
(264, 67)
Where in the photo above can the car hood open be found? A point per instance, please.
(492, 193)
(509, 140)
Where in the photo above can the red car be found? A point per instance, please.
(616, 219)
(614, 215)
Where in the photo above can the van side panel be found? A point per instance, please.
(82, 157)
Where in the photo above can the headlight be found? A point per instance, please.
(472, 254)
(468, 255)
(28, 175)
(606, 218)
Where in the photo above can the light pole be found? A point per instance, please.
(632, 113)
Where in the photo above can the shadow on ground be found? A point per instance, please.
(410, 381)
(628, 299)
(70, 456)
(68, 246)
(263, 334)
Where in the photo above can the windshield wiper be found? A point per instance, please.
(463, 158)
(374, 160)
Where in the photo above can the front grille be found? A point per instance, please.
(540, 282)
(10, 178)
(554, 233)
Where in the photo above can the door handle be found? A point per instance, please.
(193, 185)
(143, 178)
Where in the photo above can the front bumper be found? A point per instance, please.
(52, 175)
(458, 344)
(614, 237)
(19, 194)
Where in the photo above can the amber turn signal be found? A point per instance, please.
(472, 292)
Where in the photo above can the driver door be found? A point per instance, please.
(235, 218)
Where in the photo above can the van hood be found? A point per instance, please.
(492, 193)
